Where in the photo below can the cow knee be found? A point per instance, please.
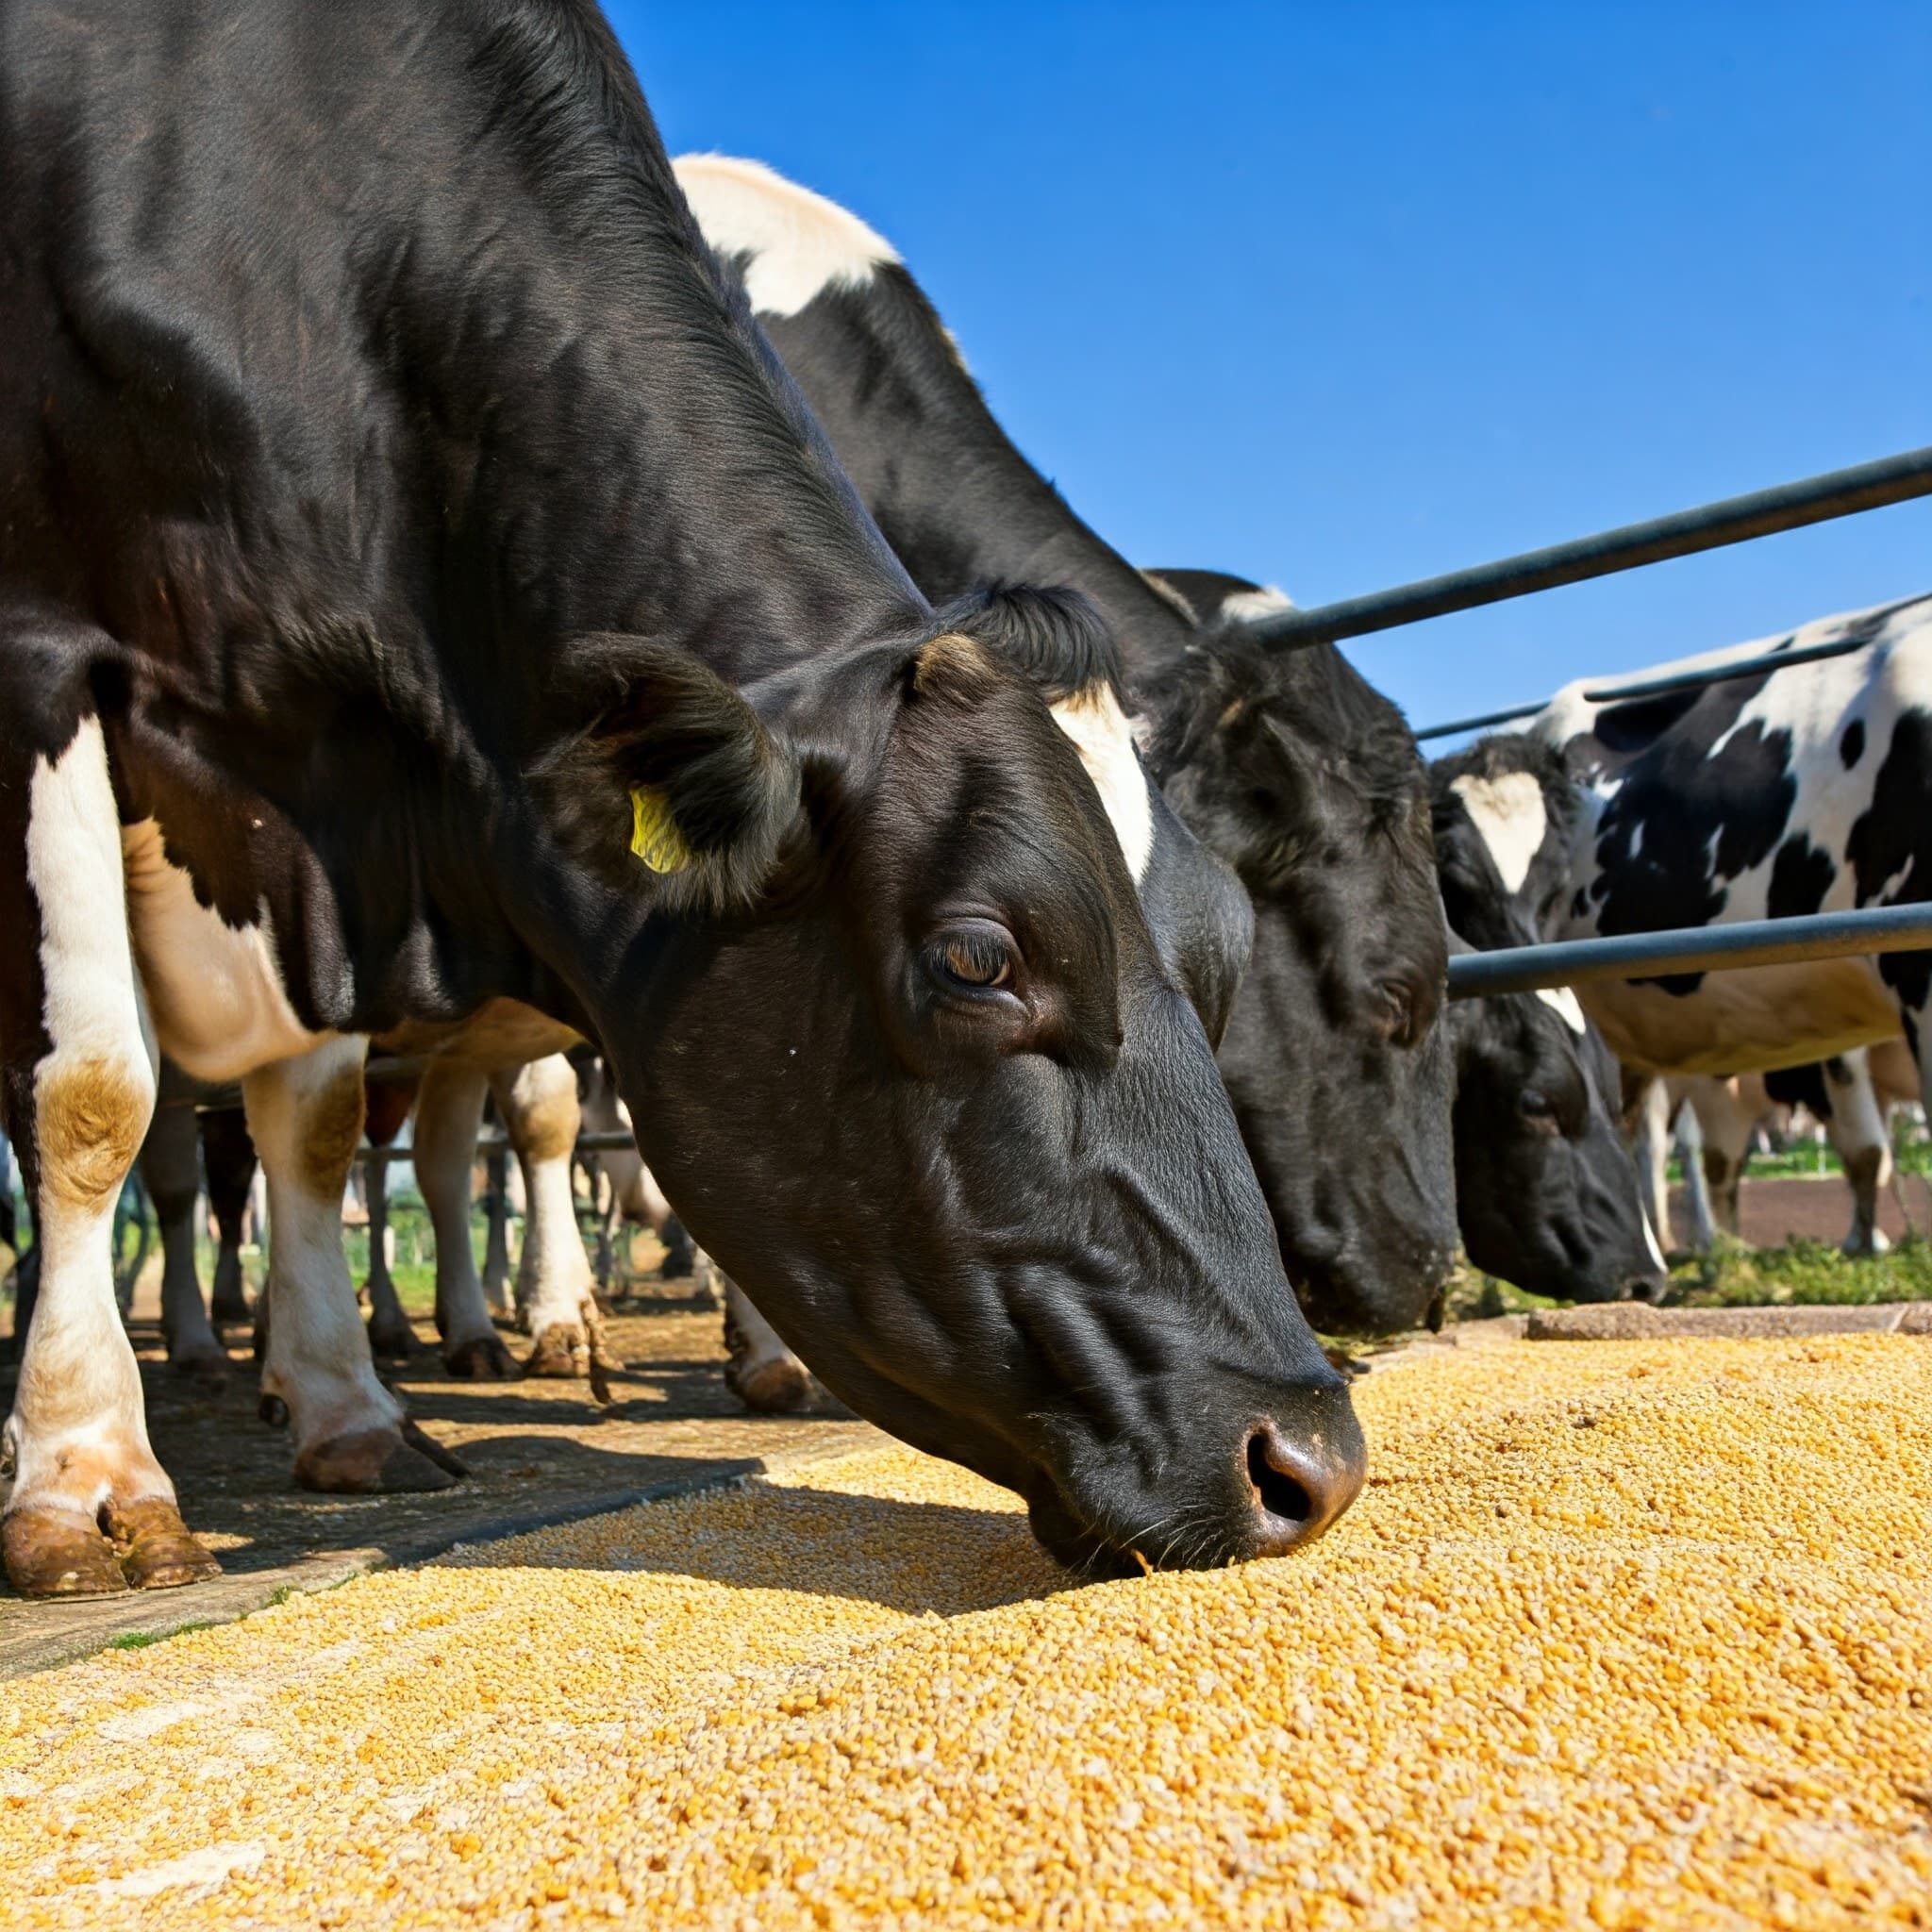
(92, 1111)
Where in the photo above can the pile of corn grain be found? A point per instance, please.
(1622, 1634)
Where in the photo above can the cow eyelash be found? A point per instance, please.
(977, 958)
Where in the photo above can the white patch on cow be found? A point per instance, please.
(1248, 607)
(1100, 734)
(1508, 812)
(318, 1351)
(78, 1432)
(1564, 1002)
(798, 243)
(216, 992)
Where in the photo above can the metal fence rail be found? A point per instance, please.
(1735, 519)
(1704, 676)
(1693, 949)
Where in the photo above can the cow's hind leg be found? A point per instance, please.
(542, 1113)
(1858, 1131)
(304, 1116)
(228, 1154)
(91, 1509)
(448, 1113)
(170, 1171)
(392, 1335)
(762, 1373)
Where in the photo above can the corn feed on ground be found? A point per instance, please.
(1624, 1634)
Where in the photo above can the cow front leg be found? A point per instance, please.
(91, 1510)
(761, 1371)
(386, 1104)
(171, 1171)
(391, 1336)
(228, 1155)
(555, 1287)
(1858, 1131)
(449, 1112)
(304, 1116)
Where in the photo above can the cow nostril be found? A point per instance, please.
(1645, 1288)
(1295, 1491)
(1278, 1487)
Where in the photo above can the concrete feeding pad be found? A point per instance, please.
(540, 1452)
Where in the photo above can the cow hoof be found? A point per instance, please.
(425, 1444)
(57, 1552)
(561, 1354)
(204, 1362)
(483, 1359)
(159, 1552)
(370, 1462)
(393, 1341)
(568, 1352)
(774, 1387)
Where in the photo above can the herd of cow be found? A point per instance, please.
(470, 586)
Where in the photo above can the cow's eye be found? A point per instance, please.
(978, 957)
(1394, 1012)
(1538, 1109)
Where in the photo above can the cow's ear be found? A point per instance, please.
(662, 776)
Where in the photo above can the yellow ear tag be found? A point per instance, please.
(654, 834)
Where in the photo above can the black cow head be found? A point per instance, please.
(1547, 1192)
(904, 1054)
(1308, 783)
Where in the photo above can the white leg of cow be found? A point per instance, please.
(350, 1433)
(1687, 1138)
(91, 1509)
(555, 1285)
(449, 1112)
(171, 1171)
(762, 1373)
(1651, 1144)
(1858, 1130)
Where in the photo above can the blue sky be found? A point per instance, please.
(1344, 296)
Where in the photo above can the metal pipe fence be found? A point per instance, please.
(1851, 934)
(1735, 520)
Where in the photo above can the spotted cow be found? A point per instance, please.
(1783, 793)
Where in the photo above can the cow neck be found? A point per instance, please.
(957, 500)
(660, 475)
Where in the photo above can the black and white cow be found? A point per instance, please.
(423, 590)
(1303, 778)
(1547, 1193)
(1788, 792)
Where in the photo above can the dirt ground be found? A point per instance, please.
(540, 1452)
(1774, 1212)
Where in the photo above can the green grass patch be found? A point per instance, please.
(140, 1639)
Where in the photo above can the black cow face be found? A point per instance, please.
(904, 1056)
(1547, 1189)
(1340, 1075)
